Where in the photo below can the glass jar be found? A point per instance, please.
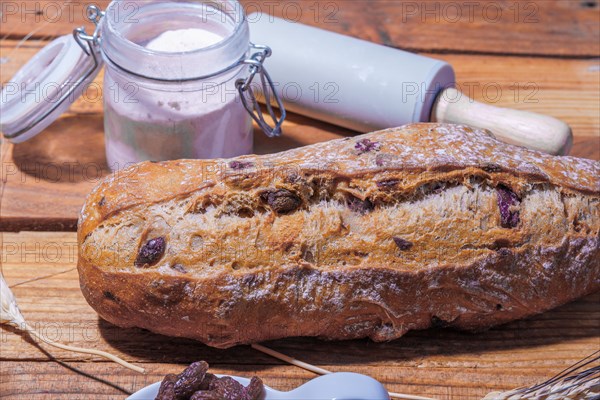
(177, 82)
(162, 105)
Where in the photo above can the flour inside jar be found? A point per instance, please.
(164, 120)
(180, 40)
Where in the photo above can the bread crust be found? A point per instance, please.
(370, 236)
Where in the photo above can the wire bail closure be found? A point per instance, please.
(251, 105)
(94, 15)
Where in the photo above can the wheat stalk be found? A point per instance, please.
(574, 383)
(11, 315)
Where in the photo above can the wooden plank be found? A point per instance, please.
(48, 177)
(558, 28)
(439, 363)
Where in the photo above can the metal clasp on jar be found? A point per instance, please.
(90, 44)
(244, 87)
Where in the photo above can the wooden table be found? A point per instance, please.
(541, 55)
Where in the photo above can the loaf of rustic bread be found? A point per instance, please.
(371, 236)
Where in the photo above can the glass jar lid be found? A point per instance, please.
(45, 87)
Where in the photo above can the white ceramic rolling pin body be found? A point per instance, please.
(346, 81)
(365, 86)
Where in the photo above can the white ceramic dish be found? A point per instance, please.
(337, 386)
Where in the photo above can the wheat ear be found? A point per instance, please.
(574, 383)
(11, 315)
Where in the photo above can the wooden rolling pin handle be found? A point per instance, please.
(535, 131)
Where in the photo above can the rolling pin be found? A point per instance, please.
(364, 86)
